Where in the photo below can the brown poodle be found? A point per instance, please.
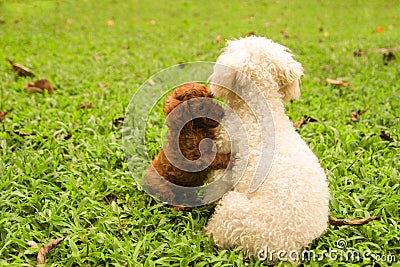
(192, 116)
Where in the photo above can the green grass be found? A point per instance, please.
(51, 187)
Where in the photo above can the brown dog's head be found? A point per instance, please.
(195, 104)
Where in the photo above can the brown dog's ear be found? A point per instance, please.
(170, 104)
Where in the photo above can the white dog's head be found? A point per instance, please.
(268, 65)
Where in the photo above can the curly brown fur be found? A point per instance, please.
(189, 138)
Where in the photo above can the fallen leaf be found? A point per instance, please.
(44, 250)
(110, 198)
(326, 34)
(32, 244)
(119, 121)
(386, 137)
(21, 70)
(285, 34)
(152, 22)
(206, 23)
(337, 82)
(267, 24)
(86, 106)
(23, 134)
(387, 57)
(356, 114)
(151, 82)
(103, 85)
(110, 22)
(40, 86)
(65, 137)
(218, 38)
(69, 21)
(358, 53)
(179, 208)
(3, 115)
(16, 20)
(339, 222)
(391, 27)
(379, 29)
(326, 68)
(251, 34)
(304, 119)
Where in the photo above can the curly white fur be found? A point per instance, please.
(290, 209)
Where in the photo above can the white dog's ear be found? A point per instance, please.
(289, 75)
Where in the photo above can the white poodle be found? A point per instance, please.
(290, 208)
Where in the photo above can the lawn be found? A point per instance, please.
(62, 166)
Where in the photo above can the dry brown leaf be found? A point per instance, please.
(32, 244)
(62, 136)
(179, 208)
(86, 106)
(40, 86)
(251, 33)
(151, 82)
(304, 119)
(339, 222)
(21, 70)
(326, 34)
(152, 22)
(119, 121)
(386, 137)
(338, 82)
(3, 115)
(391, 27)
(285, 34)
(267, 24)
(387, 57)
(356, 114)
(206, 23)
(44, 250)
(379, 29)
(69, 21)
(23, 134)
(110, 22)
(358, 53)
(326, 68)
(218, 38)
